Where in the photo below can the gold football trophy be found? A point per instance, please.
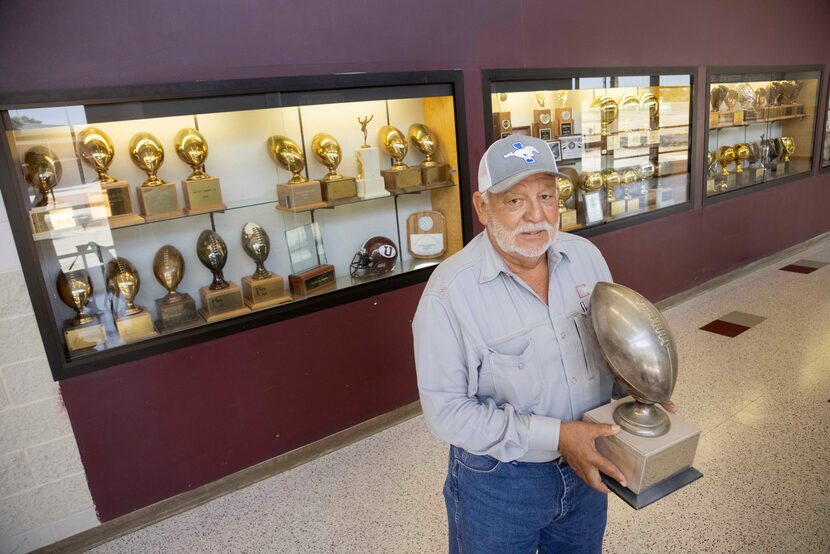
(591, 205)
(263, 289)
(628, 178)
(157, 199)
(612, 180)
(608, 111)
(202, 193)
(84, 330)
(336, 188)
(176, 310)
(567, 217)
(400, 177)
(95, 148)
(298, 194)
(221, 299)
(725, 155)
(432, 173)
(43, 171)
(123, 282)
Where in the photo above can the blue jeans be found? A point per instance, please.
(517, 507)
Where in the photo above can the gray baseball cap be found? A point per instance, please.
(513, 158)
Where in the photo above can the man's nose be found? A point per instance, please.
(534, 212)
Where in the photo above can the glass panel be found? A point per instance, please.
(624, 140)
(825, 147)
(761, 128)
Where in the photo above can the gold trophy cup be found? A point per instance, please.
(567, 217)
(176, 310)
(157, 199)
(432, 173)
(221, 299)
(400, 177)
(202, 193)
(95, 148)
(298, 194)
(123, 282)
(611, 180)
(84, 330)
(263, 289)
(336, 188)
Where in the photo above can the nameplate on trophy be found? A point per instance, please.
(313, 281)
(158, 202)
(264, 293)
(295, 197)
(202, 195)
(222, 303)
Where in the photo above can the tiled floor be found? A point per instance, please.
(762, 400)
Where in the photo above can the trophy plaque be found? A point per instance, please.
(43, 171)
(369, 182)
(502, 123)
(655, 449)
(311, 274)
(123, 282)
(157, 199)
(542, 125)
(221, 299)
(591, 210)
(298, 194)
(567, 216)
(176, 310)
(433, 174)
(202, 193)
(629, 178)
(426, 233)
(263, 289)
(336, 188)
(84, 330)
(564, 120)
(95, 148)
(400, 177)
(612, 180)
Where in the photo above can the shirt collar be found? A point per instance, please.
(492, 263)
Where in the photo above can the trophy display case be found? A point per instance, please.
(152, 217)
(761, 123)
(825, 136)
(623, 137)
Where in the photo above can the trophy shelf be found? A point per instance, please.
(754, 121)
(336, 203)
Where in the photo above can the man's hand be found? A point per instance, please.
(669, 406)
(576, 445)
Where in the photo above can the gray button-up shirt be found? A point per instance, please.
(498, 369)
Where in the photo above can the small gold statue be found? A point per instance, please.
(363, 124)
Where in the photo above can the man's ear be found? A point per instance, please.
(481, 207)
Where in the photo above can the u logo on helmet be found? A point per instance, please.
(388, 251)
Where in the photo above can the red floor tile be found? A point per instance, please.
(724, 328)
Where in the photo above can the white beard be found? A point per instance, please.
(506, 239)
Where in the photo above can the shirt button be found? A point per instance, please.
(521, 365)
(562, 334)
(573, 380)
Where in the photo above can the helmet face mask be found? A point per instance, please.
(378, 255)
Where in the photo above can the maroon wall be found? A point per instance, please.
(159, 426)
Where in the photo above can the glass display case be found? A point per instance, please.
(761, 124)
(825, 136)
(147, 218)
(623, 136)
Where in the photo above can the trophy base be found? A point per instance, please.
(738, 117)
(663, 196)
(50, 218)
(222, 304)
(780, 168)
(646, 461)
(632, 205)
(617, 207)
(313, 281)
(339, 190)
(85, 336)
(177, 315)
(731, 181)
(567, 219)
(135, 327)
(259, 294)
(402, 180)
(119, 204)
(710, 185)
(158, 202)
(758, 174)
(300, 197)
(435, 175)
(202, 195)
(372, 188)
(126, 220)
(655, 492)
(714, 120)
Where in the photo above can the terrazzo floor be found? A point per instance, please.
(762, 400)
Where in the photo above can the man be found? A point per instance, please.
(507, 363)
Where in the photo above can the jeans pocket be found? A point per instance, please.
(476, 463)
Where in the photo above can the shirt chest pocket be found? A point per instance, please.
(510, 374)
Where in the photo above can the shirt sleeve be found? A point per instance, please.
(447, 381)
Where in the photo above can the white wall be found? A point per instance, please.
(44, 495)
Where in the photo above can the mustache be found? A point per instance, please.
(531, 228)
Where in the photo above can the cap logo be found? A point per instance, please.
(523, 152)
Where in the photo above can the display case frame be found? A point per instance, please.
(823, 131)
(543, 78)
(754, 70)
(159, 100)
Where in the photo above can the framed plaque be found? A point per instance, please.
(556, 149)
(572, 147)
(426, 234)
(592, 207)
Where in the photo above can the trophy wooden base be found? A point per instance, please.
(435, 175)
(339, 190)
(299, 197)
(758, 174)
(222, 304)
(632, 204)
(158, 202)
(52, 218)
(714, 119)
(738, 117)
(202, 195)
(646, 461)
(663, 196)
(119, 205)
(781, 168)
(502, 125)
(264, 293)
(567, 219)
(135, 327)
(617, 207)
(176, 315)
(118, 221)
(81, 337)
(372, 188)
(313, 281)
(402, 180)
(710, 184)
